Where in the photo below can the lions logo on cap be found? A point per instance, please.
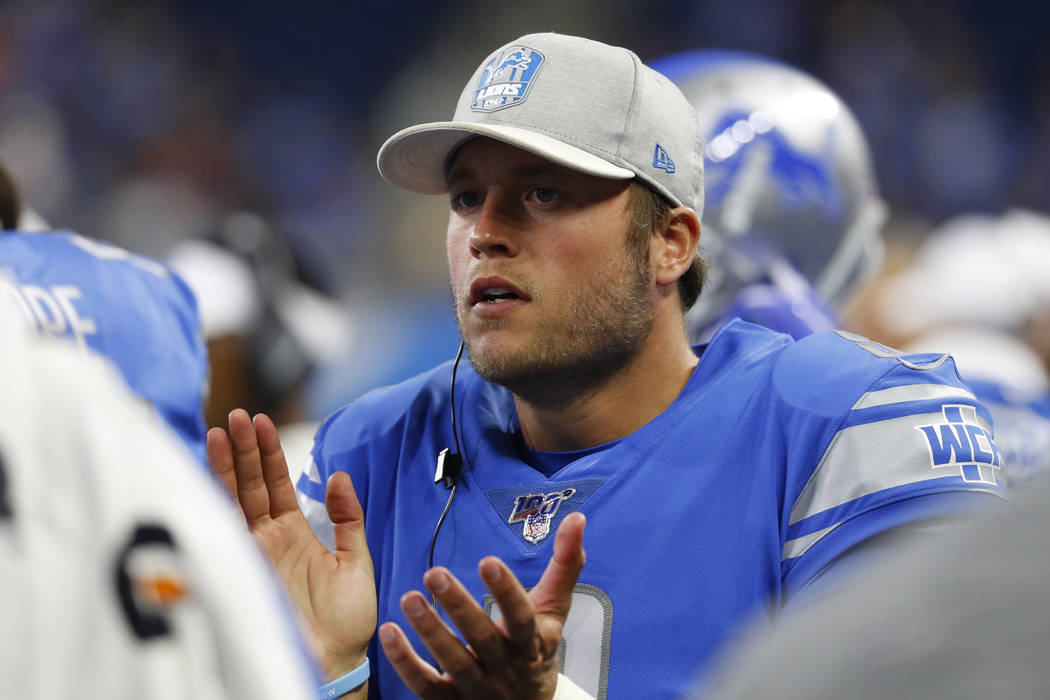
(506, 79)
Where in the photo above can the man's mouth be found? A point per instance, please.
(498, 295)
(493, 290)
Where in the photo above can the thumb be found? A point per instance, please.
(553, 594)
(346, 514)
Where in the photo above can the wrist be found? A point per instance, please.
(350, 681)
(336, 666)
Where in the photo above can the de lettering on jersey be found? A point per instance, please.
(51, 310)
(962, 443)
(537, 510)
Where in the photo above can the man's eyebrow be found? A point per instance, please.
(460, 172)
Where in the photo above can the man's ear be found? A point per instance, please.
(675, 245)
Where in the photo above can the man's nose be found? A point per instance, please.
(494, 232)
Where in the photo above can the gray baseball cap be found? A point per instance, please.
(582, 104)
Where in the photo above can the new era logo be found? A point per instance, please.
(661, 160)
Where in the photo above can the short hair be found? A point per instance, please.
(650, 210)
(10, 205)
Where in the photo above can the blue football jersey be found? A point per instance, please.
(777, 458)
(131, 309)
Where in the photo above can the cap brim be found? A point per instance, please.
(415, 158)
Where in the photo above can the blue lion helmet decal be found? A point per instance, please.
(804, 181)
(506, 80)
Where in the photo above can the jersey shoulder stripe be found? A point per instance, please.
(915, 429)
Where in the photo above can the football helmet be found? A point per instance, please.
(788, 176)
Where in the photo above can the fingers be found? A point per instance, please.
(446, 648)
(553, 594)
(274, 467)
(484, 637)
(519, 615)
(420, 677)
(519, 639)
(251, 488)
(548, 601)
(251, 466)
(521, 646)
(220, 458)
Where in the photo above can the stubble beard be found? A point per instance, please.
(578, 349)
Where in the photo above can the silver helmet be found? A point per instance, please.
(788, 176)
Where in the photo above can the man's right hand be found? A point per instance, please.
(334, 590)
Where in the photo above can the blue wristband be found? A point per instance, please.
(344, 684)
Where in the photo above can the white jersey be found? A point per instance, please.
(123, 569)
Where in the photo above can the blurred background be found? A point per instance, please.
(254, 126)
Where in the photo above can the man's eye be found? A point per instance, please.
(466, 200)
(544, 195)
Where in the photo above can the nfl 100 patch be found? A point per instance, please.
(534, 511)
(506, 79)
(537, 511)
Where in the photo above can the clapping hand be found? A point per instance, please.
(335, 590)
(515, 657)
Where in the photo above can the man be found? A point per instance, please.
(793, 215)
(131, 309)
(113, 588)
(718, 481)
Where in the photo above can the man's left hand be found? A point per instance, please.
(515, 657)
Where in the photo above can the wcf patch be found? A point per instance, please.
(960, 442)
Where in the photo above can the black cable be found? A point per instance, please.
(433, 540)
(452, 397)
(453, 464)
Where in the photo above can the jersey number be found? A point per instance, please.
(144, 584)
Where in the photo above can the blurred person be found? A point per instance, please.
(268, 330)
(959, 616)
(792, 218)
(105, 299)
(113, 588)
(718, 481)
(978, 288)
